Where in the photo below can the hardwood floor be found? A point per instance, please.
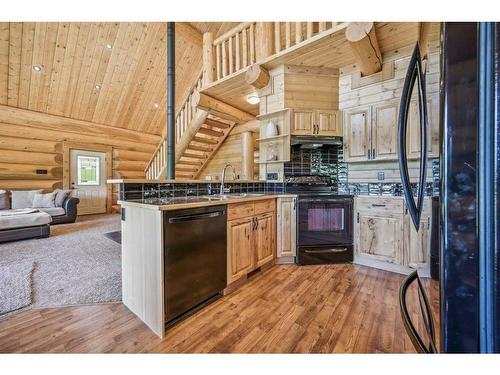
(287, 309)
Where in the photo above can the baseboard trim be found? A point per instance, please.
(396, 268)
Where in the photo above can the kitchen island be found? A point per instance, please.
(251, 237)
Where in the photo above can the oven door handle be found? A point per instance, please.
(323, 201)
(326, 251)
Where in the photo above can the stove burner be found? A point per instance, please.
(311, 180)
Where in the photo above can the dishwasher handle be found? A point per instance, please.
(208, 215)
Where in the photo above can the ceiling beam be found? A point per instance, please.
(363, 41)
(257, 76)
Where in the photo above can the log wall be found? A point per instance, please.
(32, 140)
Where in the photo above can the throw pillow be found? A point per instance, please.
(44, 200)
(4, 200)
(61, 196)
(23, 199)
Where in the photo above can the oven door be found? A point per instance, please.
(324, 221)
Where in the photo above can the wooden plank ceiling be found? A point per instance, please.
(106, 73)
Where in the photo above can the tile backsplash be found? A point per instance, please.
(129, 191)
(327, 160)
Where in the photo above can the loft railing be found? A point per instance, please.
(252, 42)
(235, 50)
(158, 161)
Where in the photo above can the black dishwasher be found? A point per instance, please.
(195, 259)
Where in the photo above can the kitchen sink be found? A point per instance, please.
(231, 196)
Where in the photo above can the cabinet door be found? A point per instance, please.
(286, 227)
(413, 133)
(356, 134)
(380, 236)
(328, 123)
(385, 131)
(264, 239)
(303, 122)
(240, 248)
(417, 244)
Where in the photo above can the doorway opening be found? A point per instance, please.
(86, 170)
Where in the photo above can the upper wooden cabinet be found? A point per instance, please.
(413, 133)
(316, 122)
(303, 122)
(385, 131)
(357, 123)
(370, 132)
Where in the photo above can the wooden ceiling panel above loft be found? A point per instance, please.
(107, 73)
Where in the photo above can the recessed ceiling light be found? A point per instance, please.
(253, 99)
(156, 105)
(37, 68)
(97, 87)
(109, 46)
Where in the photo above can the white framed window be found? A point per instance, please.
(88, 170)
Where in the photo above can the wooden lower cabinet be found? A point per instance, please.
(251, 237)
(380, 236)
(264, 239)
(286, 231)
(240, 246)
(384, 232)
(417, 244)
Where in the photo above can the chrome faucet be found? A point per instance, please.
(222, 189)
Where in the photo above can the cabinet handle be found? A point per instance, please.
(369, 153)
(373, 153)
(378, 205)
(358, 217)
(294, 204)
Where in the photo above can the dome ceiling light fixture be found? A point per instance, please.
(37, 68)
(253, 99)
(97, 87)
(109, 46)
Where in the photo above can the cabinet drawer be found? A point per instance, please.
(238, 210)
(264, 206)
(380, 205)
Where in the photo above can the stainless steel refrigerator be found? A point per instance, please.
(468, 225)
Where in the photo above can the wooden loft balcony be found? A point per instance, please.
(227, 59)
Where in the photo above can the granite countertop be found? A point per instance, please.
(167, 204)
(146, 181)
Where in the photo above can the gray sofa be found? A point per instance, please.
(37, 224)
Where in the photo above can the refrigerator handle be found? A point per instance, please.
(413, 74)
(415, 338)
(422, 106)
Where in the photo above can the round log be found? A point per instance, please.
(363, 41)
(257, 76)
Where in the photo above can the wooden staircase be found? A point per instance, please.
(200, 131)
(202, 146)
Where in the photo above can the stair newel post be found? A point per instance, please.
(264, 45)
(208, 59)
(171, 100)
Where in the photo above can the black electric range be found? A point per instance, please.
(324, 221)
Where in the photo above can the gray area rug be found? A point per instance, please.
(77, 264)
(15, 285)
